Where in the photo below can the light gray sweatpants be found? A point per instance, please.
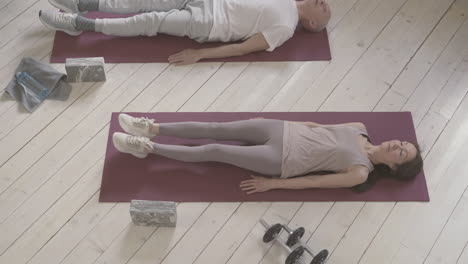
(191, 18)
(263, 156)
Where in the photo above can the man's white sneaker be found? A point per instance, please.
(137, 146)
(69, 6)
(56, 20)
(138, 126)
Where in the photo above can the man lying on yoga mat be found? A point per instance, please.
(282, 149)
(260, 24)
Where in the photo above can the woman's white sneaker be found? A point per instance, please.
(137, 146)
(138, 126)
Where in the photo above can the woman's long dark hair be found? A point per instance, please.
(404, 172)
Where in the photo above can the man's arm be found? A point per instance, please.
(255, 43)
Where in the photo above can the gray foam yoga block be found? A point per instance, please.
(152, 213)
(85, 69)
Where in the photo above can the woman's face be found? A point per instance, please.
(396, 152)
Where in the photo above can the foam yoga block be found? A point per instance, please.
(152, 213)
(85, 69)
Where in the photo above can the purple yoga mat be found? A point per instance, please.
(303, 46)
(157, 178)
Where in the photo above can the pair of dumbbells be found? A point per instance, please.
(294, 238)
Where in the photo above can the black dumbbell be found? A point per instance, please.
(274, 230)
(295, 236)
(295, 255)
(272, 233)
(320, 257)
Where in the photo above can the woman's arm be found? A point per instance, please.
(356, 175)
(313, 124)
(336, 180)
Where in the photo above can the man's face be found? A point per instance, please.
(318, 14)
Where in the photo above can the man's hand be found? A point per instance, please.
(185, 57)
(257, 184)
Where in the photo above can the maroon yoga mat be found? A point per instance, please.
(157, 178)
(303, 46)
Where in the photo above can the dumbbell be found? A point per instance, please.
(294, 238)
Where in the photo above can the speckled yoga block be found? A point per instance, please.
(153, 213)
(85, 69)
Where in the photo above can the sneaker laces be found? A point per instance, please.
(142, 122)
(65, 18)
(136, 141)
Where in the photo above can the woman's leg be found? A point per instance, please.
(254, 131)
(265, 159)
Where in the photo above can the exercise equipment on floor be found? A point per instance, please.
(34, 81)
(85, 69)
(294, 245)
(153, 213)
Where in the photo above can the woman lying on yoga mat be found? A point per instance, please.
(282, 149)
(260, 24)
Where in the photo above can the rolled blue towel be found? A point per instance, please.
(35, 81)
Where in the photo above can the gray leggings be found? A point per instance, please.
(191, 18)
(265, 136)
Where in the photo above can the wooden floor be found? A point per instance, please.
(388, 55)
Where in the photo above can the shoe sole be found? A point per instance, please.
(141, 156)
(59, 29)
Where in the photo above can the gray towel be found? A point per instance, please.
(44, 74)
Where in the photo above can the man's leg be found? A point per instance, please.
(119, 6)
(176, 22)
(138, 6)
(265, 159)
(194, 21)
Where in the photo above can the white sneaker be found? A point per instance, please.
(137, 146)
(140, 126)
(56, 20)
(69, 6)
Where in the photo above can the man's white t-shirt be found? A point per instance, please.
(241, 19)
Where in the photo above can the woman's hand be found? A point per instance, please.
(187, 56)
(257, 184)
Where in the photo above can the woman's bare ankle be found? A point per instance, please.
(154, 130)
